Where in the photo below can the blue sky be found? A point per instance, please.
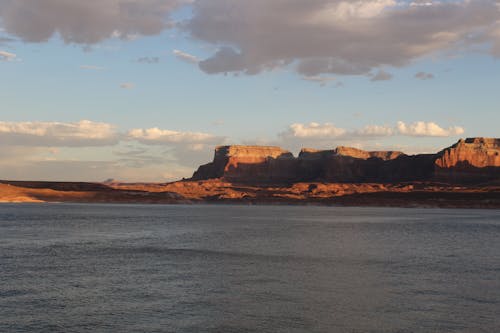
(270, 86)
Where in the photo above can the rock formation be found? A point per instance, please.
(249, 164)
(470, 160)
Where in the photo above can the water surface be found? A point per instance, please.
(141, 268)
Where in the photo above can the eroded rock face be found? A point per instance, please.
(467, 161)
(362, 154)
(250, 164)
(355, 165)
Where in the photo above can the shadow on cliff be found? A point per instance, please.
(328, 168)
(466, 173)
(282, 169)
(59, 186)
(250, 165)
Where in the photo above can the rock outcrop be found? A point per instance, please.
(354, 165)
(469, 160)
(249, 164)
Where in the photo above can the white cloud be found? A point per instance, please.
(88, 133)
(186, 57)
(421, 128)
(314, 130)
(56, 134)
(7, 56)
(58, 151)
(156, 136)
(327, 131)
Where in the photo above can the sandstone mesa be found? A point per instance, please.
(468, 161)
(465, 175)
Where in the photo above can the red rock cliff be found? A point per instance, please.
(469, 160)
(249, 164)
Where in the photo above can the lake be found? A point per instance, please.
(223, 268)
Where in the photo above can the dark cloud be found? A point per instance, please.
(338, 37)
(84, 22)
(316, 37)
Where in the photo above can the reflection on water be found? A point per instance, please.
(118, 268)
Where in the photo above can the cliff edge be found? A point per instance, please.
(469, 160)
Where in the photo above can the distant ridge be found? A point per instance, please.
(471, 160)
(465, 175)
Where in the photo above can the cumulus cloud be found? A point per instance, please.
(314, 130)
(88, 133)
(186, 57)
(52, 134)
(7, 56)
(327, 131)
(336, 36)
(421, 128)
(157, 136)
(52, 150)
(424, 76)
(85, 22)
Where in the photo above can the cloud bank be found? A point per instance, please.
(314, 37)
(338, 37)
(330, 131)
(56, 150)
(85, 22)
(156, 136)
(84, 133)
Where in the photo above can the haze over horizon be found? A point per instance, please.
(142, 90)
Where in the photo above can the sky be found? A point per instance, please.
(143, 90)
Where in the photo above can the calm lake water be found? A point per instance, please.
(140, 268)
